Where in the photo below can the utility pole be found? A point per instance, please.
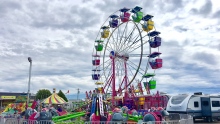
(29, 81)
(78, 94)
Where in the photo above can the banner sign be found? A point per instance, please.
(8, 97)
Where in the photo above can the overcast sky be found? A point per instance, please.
(59, 36)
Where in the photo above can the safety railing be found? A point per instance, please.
(184, 121)
(16, 121)
(23, 121)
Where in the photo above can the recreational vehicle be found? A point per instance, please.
(198, 105)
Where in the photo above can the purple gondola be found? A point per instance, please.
(95, 76)
(114, 21)
(156, 42)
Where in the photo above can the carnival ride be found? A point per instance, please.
(15, 108)
(125, 58)
(76, 115)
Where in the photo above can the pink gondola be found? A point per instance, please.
(156, 64)
(124, 15)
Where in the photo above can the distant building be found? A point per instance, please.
(73, 103)
(10, 97)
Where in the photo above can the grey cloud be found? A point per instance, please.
(180, 28)
(171, 54)
(176, 48)
(194, 11)
(167, 23)
(170, 5)
(7, 6)
(20, 88)
(204, 10)
(63, 18)
(112, 6)
(207, 8)
(216, 14)
(206, 58)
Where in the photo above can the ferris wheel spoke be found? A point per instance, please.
(114, 41)
(146, 67)
(128, 37)
(107, 67)
(107, 84)
(109, 46)
(133, 72)
(120, 72)
(118, 34)
(133, 48)
(129, 46)
(109, 49)
(137, 55)
(136, 40)
(121, 37)
(106, 61)
(134, 66)
(108, 80)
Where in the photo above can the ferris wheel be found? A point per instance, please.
(126, 52)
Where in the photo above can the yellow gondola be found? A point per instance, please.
(105, 33)
(148, 23)
(99, 83)
(147, 26)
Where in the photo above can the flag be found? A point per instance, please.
(34, 104)
(68, 92)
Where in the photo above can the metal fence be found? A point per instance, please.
(23, 121)
(15, 121)
(184, 121)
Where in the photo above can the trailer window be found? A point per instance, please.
(178, 99)
(196, 104)
(215, 103)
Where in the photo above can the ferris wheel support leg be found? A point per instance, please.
(126, 81)
(113, 82)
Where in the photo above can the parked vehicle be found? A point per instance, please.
(198, 105)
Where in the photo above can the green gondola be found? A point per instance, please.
(148, 75)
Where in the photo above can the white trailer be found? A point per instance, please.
(197, 105)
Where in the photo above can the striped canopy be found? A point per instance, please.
(54, 99)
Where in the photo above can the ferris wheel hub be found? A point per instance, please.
(115, 54)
